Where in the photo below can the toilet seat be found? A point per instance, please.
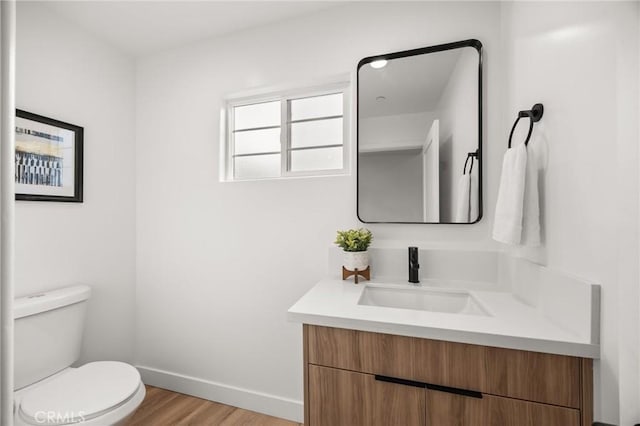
(80, 394)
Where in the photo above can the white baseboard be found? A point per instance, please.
(260, 402)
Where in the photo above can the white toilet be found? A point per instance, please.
(48, 333)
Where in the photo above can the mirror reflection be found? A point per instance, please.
(418, 124)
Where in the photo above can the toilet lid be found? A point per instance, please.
(81, 393)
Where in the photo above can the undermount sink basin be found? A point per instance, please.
(422, 299)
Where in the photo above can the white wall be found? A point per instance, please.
(395, 130)
(390, 188)
(581, 61)
(218, 264)
(66, 74)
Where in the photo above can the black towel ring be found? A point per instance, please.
(471, 156)
(534, 114)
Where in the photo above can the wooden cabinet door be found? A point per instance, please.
(346, 398)
(448, 409)
(532, 376)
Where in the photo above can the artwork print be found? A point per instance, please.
(48, 159)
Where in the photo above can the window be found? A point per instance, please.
(294, 134)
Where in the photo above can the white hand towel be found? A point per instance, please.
(531, 209)
(462, 207)
(474, 197)
(507, 224)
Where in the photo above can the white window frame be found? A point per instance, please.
(284, 97)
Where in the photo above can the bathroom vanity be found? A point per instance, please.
(361, 378)
(514, 347)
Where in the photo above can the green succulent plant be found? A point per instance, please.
(354, 239)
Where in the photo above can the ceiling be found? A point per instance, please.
(408, 85)
(144, 27)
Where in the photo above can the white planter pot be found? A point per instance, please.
(353, 260)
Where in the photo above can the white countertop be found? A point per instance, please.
(510, 323)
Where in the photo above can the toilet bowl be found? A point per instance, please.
(51, 392)
(98, 393)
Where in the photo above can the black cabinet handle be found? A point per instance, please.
(400, 381)
(463, 392)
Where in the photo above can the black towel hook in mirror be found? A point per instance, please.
(470, 155)
(534, 114)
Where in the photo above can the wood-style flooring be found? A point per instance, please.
(165, 408)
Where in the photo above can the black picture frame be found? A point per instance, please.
(473, 43)
(50, 181)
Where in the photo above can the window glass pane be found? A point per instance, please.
(316, 159)
(316, 133)
(257, 115)
(317, 106)
(258, 166)
(255, 141)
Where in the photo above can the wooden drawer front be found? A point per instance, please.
(335, 347)
(346, 398)
(446, 409)
(431, 361)
(552, 379)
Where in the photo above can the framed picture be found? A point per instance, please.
(48, 159)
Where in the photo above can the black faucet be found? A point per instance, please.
(414, 266)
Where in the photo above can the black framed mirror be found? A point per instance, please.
(419, 135)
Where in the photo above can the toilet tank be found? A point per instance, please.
(48, 332)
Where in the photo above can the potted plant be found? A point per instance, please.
(355, 243)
